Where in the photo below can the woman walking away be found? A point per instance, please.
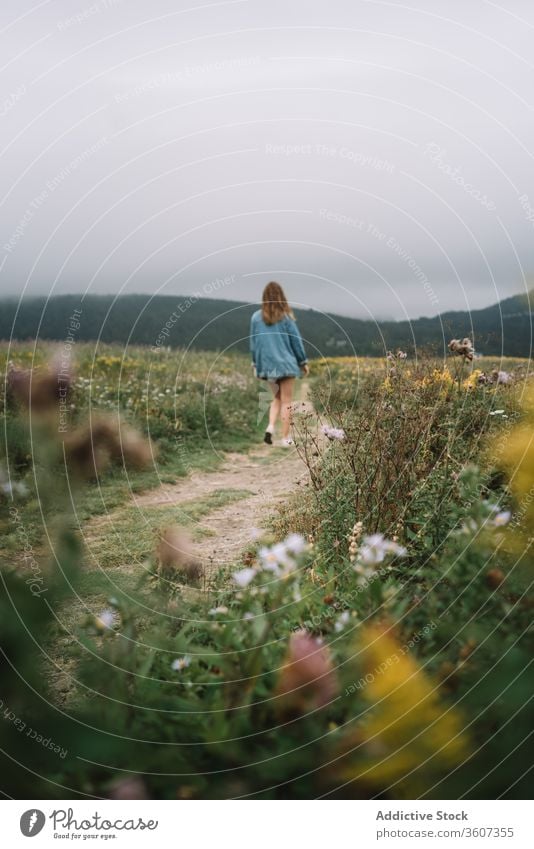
(278, 355)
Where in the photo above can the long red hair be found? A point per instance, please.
(274, 305)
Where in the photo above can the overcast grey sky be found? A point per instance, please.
(374, 157)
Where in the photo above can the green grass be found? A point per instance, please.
(133, 534)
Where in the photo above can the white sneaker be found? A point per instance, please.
(287, 443)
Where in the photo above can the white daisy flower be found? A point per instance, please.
(106, 620)
(280, 552)
(502, 518)
(244, 576)
(221, 609)
(341, 621)
(296, 544)
(268, 560)
(375, 548)
(181, 663)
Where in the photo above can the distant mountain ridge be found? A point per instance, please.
(503, 328)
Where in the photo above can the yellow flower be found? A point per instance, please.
(516, 455)
(442, 376)
(472, 381)
(408, 732)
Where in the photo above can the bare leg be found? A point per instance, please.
(274, 411)
(286, 399)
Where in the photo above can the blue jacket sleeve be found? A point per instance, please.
(252, 342)
(296, 342)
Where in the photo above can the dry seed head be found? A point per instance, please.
(175, 554)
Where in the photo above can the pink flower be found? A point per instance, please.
(307, 680)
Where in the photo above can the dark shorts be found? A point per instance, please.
(274, 382)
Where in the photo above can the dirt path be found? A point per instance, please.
(251, 487)
(229, 503)
(268, 474)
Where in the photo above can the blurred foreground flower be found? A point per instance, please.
(516, 451)
(107, 620)
(181, 663)
(40, 389)
(131, 787)
(10, 488)
(281, 559)
(89, 450)
(408, 733)
(175, 554)
(307, 680)
(244, 576)
(376, 548)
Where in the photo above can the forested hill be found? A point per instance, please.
(210, 324)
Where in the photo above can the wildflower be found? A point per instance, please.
(40, 389)
(10, 490)
(496, 412)
(376, 548)
(494, 578)
(279, 558)
(89, 450)
(406, 725)
(503, 378)
(334, 434)
(131, 787)
(216, 610)
(517, 456)
(467, 649)
(463, 348)
(307, 680)
(175, 554)
(269, 560)
(296, 544)
(354, 540)
(244, 576)
(401, 355)
(274, 557)
(473, 380)
(181, 663)
(248, 616)
(105, 621)
(502, 518)
(341, 621)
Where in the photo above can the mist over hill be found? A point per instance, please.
(210, 324)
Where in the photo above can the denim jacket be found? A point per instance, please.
(277, 349)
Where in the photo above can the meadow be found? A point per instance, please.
(372, 639)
